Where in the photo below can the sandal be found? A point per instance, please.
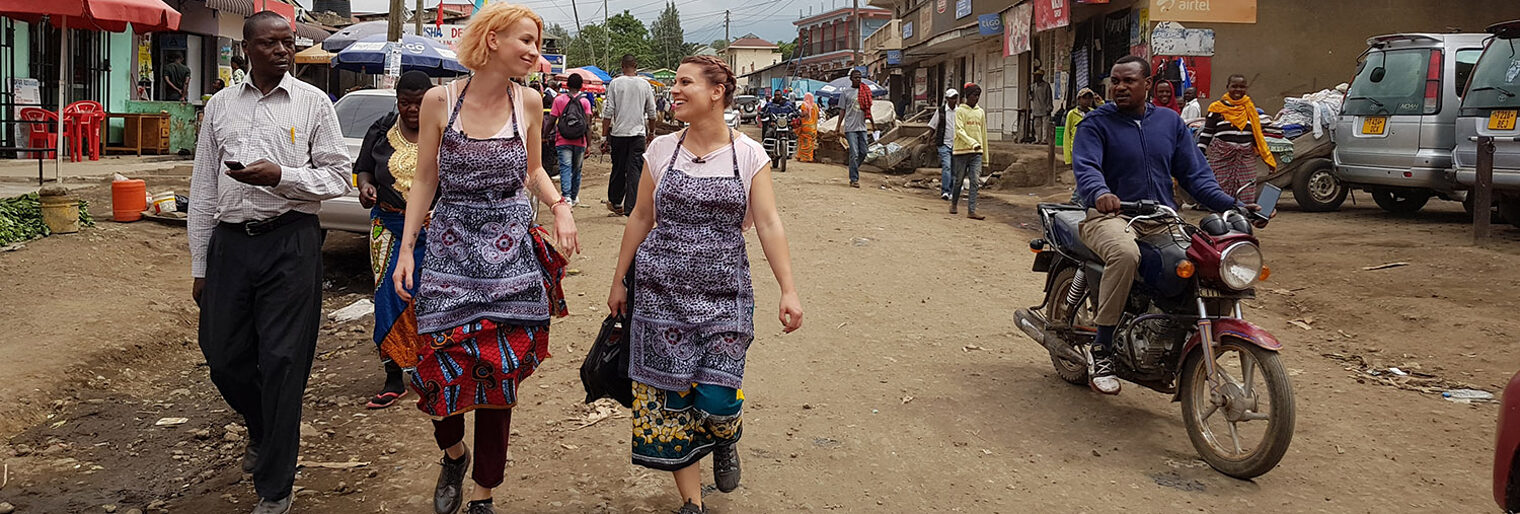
(384, 399)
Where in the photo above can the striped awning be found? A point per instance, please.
(242, 7)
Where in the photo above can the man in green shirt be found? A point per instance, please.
(1086, 101)
(176, 79)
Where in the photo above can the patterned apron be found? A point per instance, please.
(693, 311)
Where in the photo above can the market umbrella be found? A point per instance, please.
(353, 33)
(833, 89)
(664, 75)
(417, 53)
(600, 73)
(102, 15)
(586, 75)
(544, 66)
(314, 55)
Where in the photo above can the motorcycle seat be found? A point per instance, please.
(1064, 221)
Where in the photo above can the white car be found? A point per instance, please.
(356, 112)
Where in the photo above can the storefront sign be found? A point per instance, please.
(1016, 29)
(556, 63)
(447, 33)
(940, 5)
(894, 57)
(926, 23)
(907, 30)
(1171, 38)
(1052, 14)
(1209, 11)
(962, 8)
(989, 24)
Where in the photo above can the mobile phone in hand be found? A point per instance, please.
(233, 165)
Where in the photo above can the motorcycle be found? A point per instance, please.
(779, 139)
(1183, 331)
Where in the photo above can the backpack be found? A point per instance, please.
(572, 122)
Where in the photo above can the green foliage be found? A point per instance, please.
(21, 218)
(667, 42)
(788, 49)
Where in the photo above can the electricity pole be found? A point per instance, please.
(607, 30)
(418, 16)
(393, 27)
(727, 40)
(855, 34)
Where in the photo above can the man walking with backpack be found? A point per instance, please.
(571, 120)
(627, 124)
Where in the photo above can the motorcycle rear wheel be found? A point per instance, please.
(1073, 372)
(1215, 428)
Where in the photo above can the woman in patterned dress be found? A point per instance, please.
(488, 284)
(1232, 140)
(692, 312)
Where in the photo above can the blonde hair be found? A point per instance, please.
(495, 17)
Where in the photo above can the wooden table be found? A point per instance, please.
(141, 132)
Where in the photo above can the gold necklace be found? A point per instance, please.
(403, 162)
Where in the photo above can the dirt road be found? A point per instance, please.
(908, 390)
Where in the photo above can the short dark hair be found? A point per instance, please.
(630, 61)
(260, 17)
(413, 81)
(1237, 76)
(575, 81)
(1145, 67)
(972, 90)
(855, 71)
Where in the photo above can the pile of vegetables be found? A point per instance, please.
(21, 218)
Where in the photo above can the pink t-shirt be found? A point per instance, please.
(560, 102)
(719, 163)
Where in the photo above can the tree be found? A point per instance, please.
(788, 49)
(627, 36)
(558, 32)
(720, 44)
(582, 48)
(668, 45)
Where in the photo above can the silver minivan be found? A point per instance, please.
(1395, 133)
(1489, 109)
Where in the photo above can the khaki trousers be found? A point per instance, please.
(1105, 235)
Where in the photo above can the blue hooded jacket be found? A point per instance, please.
(1135, 159)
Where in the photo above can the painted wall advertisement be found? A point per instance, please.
(962, 8)
(144, 67)
(1016, 29)
(1209, 11)
(1052, 14)
(1171, 38)
(989, 24)
(921, 84)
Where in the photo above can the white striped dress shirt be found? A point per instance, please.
(293, 126)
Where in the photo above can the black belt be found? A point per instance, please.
(265, 226)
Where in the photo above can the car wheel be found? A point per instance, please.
(1315, 187)
(1400, 202)
(1509, 210)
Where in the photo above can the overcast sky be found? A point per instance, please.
(702, 21)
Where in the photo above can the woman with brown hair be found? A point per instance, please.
(692, 306)
(489, 283)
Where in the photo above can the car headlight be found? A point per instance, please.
(1240, 265)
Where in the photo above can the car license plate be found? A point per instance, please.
(1502, 120)
(1375, 125)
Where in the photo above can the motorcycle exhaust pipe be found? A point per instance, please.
(1032, 323)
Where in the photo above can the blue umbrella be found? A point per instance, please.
(417, 53)
(600, 73)
(833, 89)
(352, 34)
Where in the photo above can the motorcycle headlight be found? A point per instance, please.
(1240, 265)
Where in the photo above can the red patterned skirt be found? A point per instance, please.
(477, 365)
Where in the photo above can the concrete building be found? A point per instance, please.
(749, 54)
(1286, 47)
(827, 43)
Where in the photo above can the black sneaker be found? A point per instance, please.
(1100, 372)
(450, 489)
(480, 507)
(726, 467)
(250, 458)
(691, 508)
(280, 506)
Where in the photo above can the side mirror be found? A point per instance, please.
(1378, 73)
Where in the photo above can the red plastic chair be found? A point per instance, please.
(40, 135)
(85, 120)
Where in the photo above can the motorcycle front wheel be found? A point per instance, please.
(1242, 426)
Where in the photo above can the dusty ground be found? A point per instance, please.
(908, 389)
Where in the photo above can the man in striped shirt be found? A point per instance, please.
(269, 152)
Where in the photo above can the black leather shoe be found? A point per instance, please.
(691, 508)
(450, 490)
(726, 467)
(250, 458)
(281, 506)
(480, 507)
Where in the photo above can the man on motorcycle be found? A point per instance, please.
(1130, 151)
(778, 106)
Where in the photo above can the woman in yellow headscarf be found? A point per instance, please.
(1231, 139)
(807, 134)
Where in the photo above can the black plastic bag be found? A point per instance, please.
(604, 373)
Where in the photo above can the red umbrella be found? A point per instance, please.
(544, 66)
(586, 75)
(102, 15)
